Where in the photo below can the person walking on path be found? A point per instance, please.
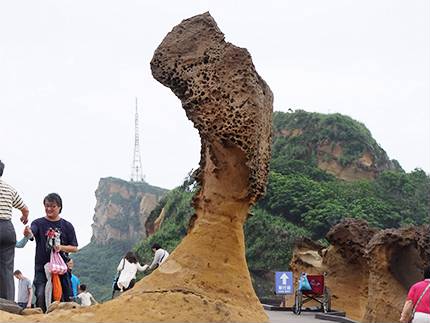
(85, 296)
(160, 256)
(67, 242)
(417, 305)
(25, 290)
(128, 267)
(9, 198)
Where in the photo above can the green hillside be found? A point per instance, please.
(309, 131)
(303, 200)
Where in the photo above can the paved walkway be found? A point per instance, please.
(289, 317)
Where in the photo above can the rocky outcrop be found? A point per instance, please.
(366, 166)
(122, 209)
(221, 92)
(9, 306)
(231, 106)
(335, 143)
(329, 159)
(369, 271)
(351, 238)
(206, 277)
(395, 259)
(56, 306)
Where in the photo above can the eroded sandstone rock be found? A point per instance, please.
(55, 306)
(9, 306)
(396, 258)
(231, 106)
(369, 271)
(32, 311)
(221, 92)
(206, 278)
(351, 237)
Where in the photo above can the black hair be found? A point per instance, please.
(17, 272)
(1, 168)
(427, 272)
(131, 257)
(156, 246)
(54, 198)
(83, 287)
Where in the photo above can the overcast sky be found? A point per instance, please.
(70, 70)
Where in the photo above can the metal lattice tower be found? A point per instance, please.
(136, 168)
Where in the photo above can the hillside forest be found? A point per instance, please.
(324, 168)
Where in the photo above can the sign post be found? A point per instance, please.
(284, 282)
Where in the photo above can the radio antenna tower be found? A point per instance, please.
(136, 168)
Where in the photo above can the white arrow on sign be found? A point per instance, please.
(284, 278)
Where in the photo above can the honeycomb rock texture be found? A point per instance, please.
(395, 258)
(369, 271)
(221, 92)
(206, 278)
(351, 237)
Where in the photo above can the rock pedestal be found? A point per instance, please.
(206, 278)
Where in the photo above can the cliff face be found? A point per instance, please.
(365, 166)
(335, 143)
(122, 210)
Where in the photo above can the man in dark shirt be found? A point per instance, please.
(66, 242)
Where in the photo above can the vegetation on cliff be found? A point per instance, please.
(393, 199)
(299, 135)
(301, 199)
(121, 211)
(178, 211)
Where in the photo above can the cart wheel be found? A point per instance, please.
(327, 301)
(297, 308)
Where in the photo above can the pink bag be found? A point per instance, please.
(57, 264)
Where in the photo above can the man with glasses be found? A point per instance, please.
(65, 242)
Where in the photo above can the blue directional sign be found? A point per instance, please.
(284, 282)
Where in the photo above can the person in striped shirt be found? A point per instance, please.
(9, 198)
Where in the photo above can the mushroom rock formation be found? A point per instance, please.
(350, 238)
(347, 267)
(369, 271)
(206, 278)
(231, 107)
(307, 257)
(396, 258)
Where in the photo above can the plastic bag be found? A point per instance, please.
(304, 283)
(57, 290)
(57, 264)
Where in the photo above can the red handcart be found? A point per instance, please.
(319, 293)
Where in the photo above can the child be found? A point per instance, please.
(85, 296)
(28, 235)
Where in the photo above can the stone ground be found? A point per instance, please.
(289, 317)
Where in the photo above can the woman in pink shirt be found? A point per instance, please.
(418, 301)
